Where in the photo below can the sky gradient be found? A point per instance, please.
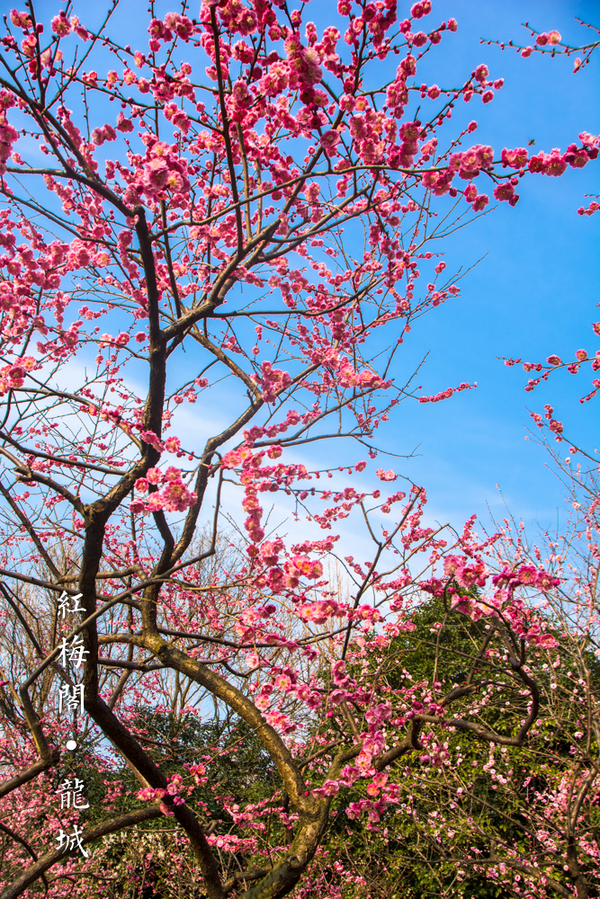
(533, 285)
(533, 292)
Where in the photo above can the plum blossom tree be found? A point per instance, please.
(551, 42)
(246, 216)
(477, 818)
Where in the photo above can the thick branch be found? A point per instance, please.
(89, 834)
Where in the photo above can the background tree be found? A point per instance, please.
(475, 819)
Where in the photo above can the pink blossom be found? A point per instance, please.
(527, 574)
(546, 582)
(547, 641)
(151, 439)
(452, 564)
(270, 552)
(516, 159)
(504, 191)
(306, 566)
(423, 8)
(124, 125)
(60, 25)
(312, 191)
(548, 163)
(176, 497)
(330, 141)
(386, 475)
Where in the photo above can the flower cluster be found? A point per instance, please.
(173, 495)
(446, 394)
(14, 375)
(556, 162)
(174, 25)
(8, 136)
(461, 573)
(272, 381)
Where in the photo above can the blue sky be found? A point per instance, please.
(533, 293)
(535, 283)
(534, 287)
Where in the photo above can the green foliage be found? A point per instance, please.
(154, 860)
(454, 823)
